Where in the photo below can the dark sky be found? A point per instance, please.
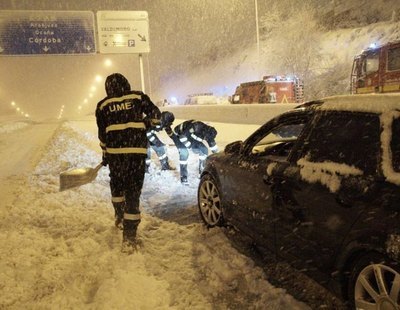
(184, 35)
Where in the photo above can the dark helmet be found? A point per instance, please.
(211, 133)
(167, 118)
(117, 85)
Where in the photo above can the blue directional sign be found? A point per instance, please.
(47, 32)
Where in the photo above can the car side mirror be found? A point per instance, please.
(234, 147)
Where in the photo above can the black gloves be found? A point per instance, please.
(168, 130)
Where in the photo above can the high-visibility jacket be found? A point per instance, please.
(192, 130)
(123, 121)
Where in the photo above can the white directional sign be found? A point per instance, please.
(123, 32)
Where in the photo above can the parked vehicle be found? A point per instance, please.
(271, 89)
(320, 187)
(200, 99)
(377, 70)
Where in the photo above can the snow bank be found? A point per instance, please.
(61, 250)
(7, 128)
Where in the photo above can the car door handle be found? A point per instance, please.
(345, 203)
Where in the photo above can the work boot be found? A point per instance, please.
(184, 181)
(119, 222)
(129, 239)
(165, 165)
(119, 214)
(202, 163)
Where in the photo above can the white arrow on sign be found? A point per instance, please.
(46, 49)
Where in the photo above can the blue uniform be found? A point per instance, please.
(122, 120)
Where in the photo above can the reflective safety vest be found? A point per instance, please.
(122, 123)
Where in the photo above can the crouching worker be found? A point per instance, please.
(122, 133)
(190, 134)
(159, 148)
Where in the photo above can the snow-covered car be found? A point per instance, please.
(320, 187)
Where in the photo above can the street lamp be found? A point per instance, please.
(257, 35)
(108, 62)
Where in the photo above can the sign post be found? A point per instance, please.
(46, 33)
(124, 32)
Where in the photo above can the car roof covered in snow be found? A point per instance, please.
(373, 103)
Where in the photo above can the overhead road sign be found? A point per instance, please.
(47, 32)
(123, 32)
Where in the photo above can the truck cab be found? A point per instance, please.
(376, 70)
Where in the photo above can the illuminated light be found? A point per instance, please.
(98, 78)
(90, 95)
(85, 100)
(79, 108)
(26, 115)
(18, 109)
(108, 62)
(13, 103)
(373, 45)
(93, 88)
(118, 38)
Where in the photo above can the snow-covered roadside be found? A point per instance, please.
(10, 127)
(60, 249)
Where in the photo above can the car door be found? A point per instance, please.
(326, 187)
(249, 196)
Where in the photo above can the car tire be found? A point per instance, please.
(209, 202)
(374, 284)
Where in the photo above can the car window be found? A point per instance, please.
(371, 63)
(279, 140)
(346, 138)
(395, 145)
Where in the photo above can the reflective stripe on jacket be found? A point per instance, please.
(122, 122)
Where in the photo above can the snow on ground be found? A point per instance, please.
(61, 250)
(7, 128)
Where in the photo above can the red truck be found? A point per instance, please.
(376, 69)
(271, 89)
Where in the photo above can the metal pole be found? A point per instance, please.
(148, 73)
(141, 72)
(257, 34)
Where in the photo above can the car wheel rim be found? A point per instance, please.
(210, 205)
(377, 287)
